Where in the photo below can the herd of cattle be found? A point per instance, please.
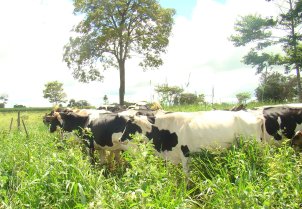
(177, 134)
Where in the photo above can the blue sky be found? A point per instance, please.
(199, 52)
(182, 7)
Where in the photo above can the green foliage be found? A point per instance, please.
(46, 171)
(79, 104)
(27, 109)
(148, 182)
(3, 98)
(111, 31)
(190, 98)
(251, 28)
(248, 175)
(19, 106)
(243, 97)
(169, 95)
(54, 92)
(262, 33)
(276, 87)
(105, 99)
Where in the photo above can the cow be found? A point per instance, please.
(280, 121)
(56, 119)
(296, 141)
(47, 118)
(175, 135)
(102, 132)
(105, 129)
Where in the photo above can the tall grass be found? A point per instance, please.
(248, 175)
(44, 171)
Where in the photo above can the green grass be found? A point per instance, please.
(44, 171)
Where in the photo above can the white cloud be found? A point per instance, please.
(35, 31)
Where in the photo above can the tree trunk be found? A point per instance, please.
(295, 44)
(122, 82)
(299, 84)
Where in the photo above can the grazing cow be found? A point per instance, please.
(177, 134)
(106, 128)
(296, 141)
(281, 121)
(56, 119)
(47, 118)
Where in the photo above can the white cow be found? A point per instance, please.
(177, 134)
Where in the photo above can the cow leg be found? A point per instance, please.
(91, 156)
(117, 156)
(102, 154)
(185, 165)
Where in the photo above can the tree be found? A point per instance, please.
(169, 95)
(105, 99)
(243, 97)
(54, 92)
(80, 103)
(3, 98)
(71, 103)
(187, 98)
(263, 33)
(19, 106)
(276, 87)
(112, 31)
(190, 98)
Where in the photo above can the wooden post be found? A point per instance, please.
(10, 126)
(18, 120)
(25, 128)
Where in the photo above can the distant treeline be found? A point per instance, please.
(26, 109)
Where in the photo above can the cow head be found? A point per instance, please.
(71, 121)
(55, 120)
(136, 124)
(296, 141)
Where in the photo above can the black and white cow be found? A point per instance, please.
(56, 120)
(177, 134)
(105, 129)
(281, 121)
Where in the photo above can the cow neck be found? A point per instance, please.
(145, 125)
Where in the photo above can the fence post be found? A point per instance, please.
(18, 121)
(11, 123)
(25, 128)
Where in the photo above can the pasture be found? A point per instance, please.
(44, 171)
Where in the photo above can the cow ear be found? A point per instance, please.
(151, 119)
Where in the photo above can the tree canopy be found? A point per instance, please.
(80, 103)
(4, 98)
(276, 87)
(273, 40)
(169, 95)
(113, 31)
(242, 97)
(54, 92)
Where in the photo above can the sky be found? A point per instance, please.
(199, 57)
